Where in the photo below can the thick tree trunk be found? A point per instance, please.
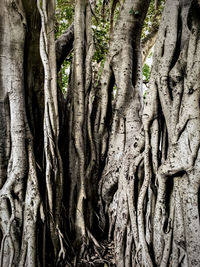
(122, 173)
(24, 104)
(149, 187)
(151, 215)
(171, 123)
(19, 194)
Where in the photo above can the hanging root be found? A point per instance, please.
(122, 209)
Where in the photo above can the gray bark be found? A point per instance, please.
(172, 133)
(155, 214)
(124, 158)
(81, 152)
(53, 161)
(19, 193)
(149, 187)
(24, 214)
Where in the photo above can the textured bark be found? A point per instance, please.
(171, 123)
(19, 194)
(149, 170)
(124, 158)
(156, 217)
(64, 45)
(81, 153)
(25, 219)
(53, 162)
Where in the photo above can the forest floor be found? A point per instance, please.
(103, 257)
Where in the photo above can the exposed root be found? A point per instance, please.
(180, 151)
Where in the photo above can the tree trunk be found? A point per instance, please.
(53, 162)
(19, 195)
(81, 151)
(25, 215)
(148, 165)
(171, 123)
(150, 215)
(124, 159)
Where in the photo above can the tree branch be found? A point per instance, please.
(64, 45)
(147, 43)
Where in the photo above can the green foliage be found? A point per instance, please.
(101, 32)
(64, 15)
(100, 28)
(146, 71)
(101, 40)
(131, 11)
(153, 17)
(64, 18)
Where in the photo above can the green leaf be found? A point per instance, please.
(146, 71)
(131, 11)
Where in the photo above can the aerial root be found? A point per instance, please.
(62, 252)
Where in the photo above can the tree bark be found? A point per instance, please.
(148, 43)
(64, 45)
(53, 161)
(148, 161)
(124, 158)
(81, 152)
(19, 194)
(24, 213)
(171, 123)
